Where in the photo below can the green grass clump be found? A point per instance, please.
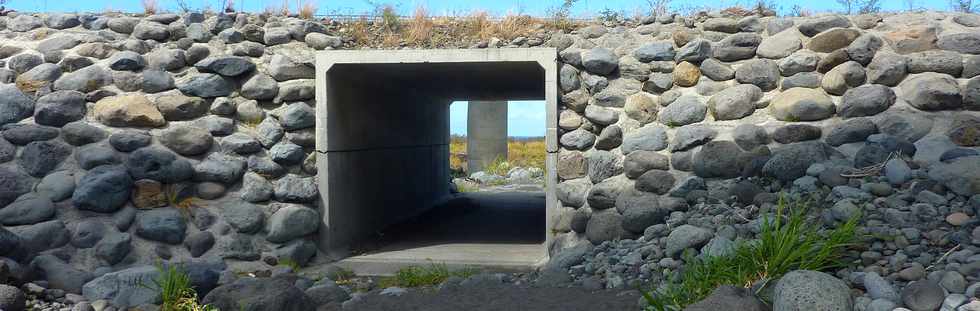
(175, 290)
(787, 242)
(416, 276)
(292, 264)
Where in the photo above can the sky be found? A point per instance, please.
(524, 118)
(582, 8)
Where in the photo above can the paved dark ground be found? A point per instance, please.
(499, 298)
(477, 217)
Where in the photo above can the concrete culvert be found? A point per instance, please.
(383, 158)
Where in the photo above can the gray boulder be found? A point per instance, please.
(158, 164)
(965, 43)
(600, 61)
(790, 162)
(932, 91)
(603, 226)
(28, 209)
(718, 159)
(296, 189)
(763, 73)
(923, 296)
(84, 80)
(283, 68)
(205, 85)
(165, 225)
(290, 222)
(811, 27)
(802, 104)
(103, 189)
(12, 298)
(229, 66)
(684, 237)
(887, 69)
(14, 105)
(252, 294)
(811, 290)
(13, 184)
(187, 140)
(728, 297)
(737, 47)
(685, 110)
(866, 100)
(39, 158)
(221, 168)
(61, 275)
(125, 288)
(244, 217)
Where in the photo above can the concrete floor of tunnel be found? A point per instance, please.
(495, 231)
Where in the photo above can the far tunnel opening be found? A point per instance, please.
(389, 196)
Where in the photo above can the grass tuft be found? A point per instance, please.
(420, 28)
(292, 264)
(307, 9)
(150, 7)
(416, 276)
(175, 290)
(787, 242)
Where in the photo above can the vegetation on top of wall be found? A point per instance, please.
(788, 241)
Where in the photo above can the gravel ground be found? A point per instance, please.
(499, 297)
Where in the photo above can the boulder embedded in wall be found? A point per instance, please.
(959, 175)
(61, 275)
(932, 91)
(125, 288)
(38, 158)
(965, 131)
(60, 108)
(221, 168)
(181, 108)
(292, 221)
(13, 184)
(789, 162)
(158, 164)
(187, 140)
(802, 104)
(28, 209)
(966, 43)
(762, 73)
(103, 189)
(132, 110)
(887, 69)
(282, 68)
(228, 66)
(718, 159)
(296, 189)
(735, 102)
(600, 61)
(84, 80)
(260, 87)
(652, 137)
(14, 105)
(833, 39)
(604, 226)
(205, 85)
(686, 74)
(780, 45)
(685, 110)
(813, 26)
(165, 225)
(643, 107)
(737, 47)
(866, 100)
(911, 39)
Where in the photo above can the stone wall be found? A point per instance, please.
(653, 117)
(128, 140)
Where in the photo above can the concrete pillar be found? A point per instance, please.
(486, 133)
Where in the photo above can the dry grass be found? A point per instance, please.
(150, 7)
(306, 9)
(420, 28)
(520, 153)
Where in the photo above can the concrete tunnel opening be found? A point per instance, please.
(383, 143)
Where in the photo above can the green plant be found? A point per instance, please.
(175, 290)
(786, 242)
(292, 264)
(499, 166)
(344, 276)
(416, 276)
(561, 15)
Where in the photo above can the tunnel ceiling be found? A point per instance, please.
(455, 81)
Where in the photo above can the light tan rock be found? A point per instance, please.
(130, 110)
